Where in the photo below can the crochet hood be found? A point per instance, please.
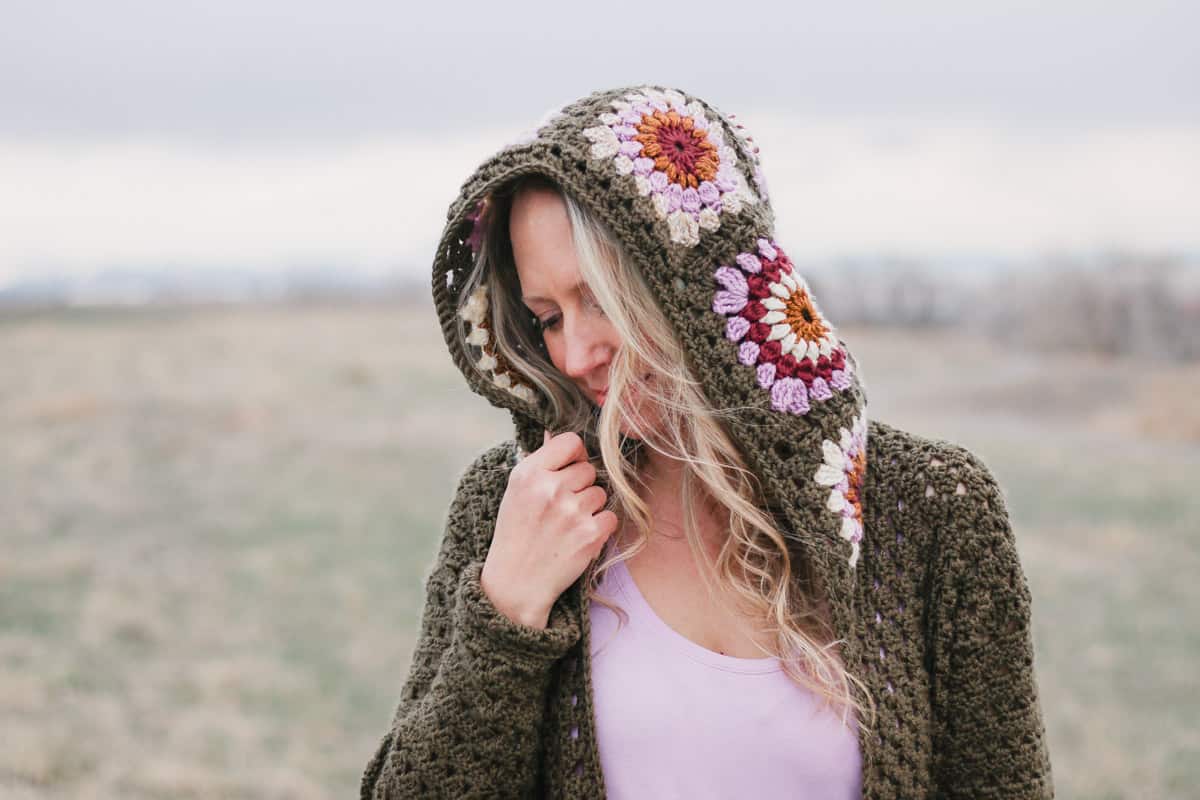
(681, 185)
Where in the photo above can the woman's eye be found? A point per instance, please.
(552, 322)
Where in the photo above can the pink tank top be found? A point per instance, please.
(677, 720)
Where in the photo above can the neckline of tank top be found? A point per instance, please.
(696, 652)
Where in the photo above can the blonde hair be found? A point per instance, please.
(754, 563)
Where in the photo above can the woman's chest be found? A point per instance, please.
(886, 654)
(675, 592)
(672, 719)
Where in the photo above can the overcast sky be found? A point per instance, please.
(266, 134)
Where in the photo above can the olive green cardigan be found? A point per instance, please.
(494, 708)
(909, 536)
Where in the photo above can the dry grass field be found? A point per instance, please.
(215, 523)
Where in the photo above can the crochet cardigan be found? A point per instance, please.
(910, 535)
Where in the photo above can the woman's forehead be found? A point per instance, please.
(533, 295)
(544, 250)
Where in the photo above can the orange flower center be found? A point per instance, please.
(803, 318)
(679, 148)
(855, 479)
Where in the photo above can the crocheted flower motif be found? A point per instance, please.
(474, 312)
(844, 469)
(782, 333)
(676, 156)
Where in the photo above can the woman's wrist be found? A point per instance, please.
(528, 614)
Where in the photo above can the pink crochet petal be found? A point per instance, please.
(789, 394)
(839, 380)
(748, 353)
(749, 262)
(728, 302)
(733, 280)
(766, 374)
(819, 389)
(736, 328)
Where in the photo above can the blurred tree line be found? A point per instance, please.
(1115, 304)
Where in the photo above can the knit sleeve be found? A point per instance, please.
(470, 715)
(989, 736)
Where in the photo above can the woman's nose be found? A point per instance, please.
(588, 346)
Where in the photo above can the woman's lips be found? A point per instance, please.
(600, 396)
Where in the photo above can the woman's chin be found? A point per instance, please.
(631, 399)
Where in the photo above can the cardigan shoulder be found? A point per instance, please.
(930, 480)
(481, 487)
(489, 469)
(928, 467)
(929, 484)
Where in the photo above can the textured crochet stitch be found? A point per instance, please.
(910, 534)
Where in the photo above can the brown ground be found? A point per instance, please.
(216, 523)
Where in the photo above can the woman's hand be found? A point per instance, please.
(549, 528)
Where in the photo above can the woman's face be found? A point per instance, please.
(579, 338)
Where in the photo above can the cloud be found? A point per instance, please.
(373, 205)
(848, 185)
(928, 186)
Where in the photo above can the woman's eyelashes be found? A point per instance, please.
(552, 322)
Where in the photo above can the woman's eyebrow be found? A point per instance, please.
(581, 286)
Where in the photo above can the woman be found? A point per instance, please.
(698, 569)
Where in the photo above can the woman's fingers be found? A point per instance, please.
(559, 451)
